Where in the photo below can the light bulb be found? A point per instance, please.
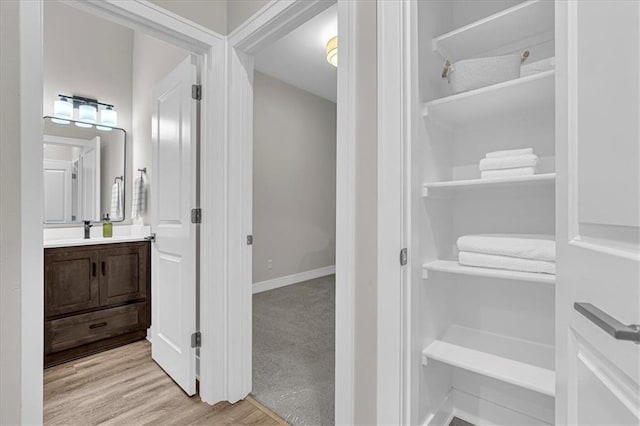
(62, 111)
(108, 117)
(87, 114)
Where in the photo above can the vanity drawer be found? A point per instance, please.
(81, 329)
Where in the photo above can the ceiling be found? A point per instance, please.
(300, 59)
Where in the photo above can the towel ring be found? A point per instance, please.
(115, 179)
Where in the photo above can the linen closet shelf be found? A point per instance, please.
(528, 23)
(453, 267)
(483, 333)
(445, 188)
(520, 94)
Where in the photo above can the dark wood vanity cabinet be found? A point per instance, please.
(95, 298)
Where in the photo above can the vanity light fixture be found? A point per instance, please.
(332, 51)
(87, 112)
(62, 110)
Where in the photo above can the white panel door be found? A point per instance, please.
(57, 191)
(598, 282)
(173, 275)
(90, 178)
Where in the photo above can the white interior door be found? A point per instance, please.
(598, 283)
(90, 173)
(57, 191)
(173, 300)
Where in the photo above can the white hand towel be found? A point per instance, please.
(504, 262)
(116, 201)
(509, 153)
(503, 173)
(528, 160)
(529, 246)
(138, 206)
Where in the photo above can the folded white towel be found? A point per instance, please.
(528, 160)
(505, 262)
(116, 201)
(509, 153)
(138, 205)
(525, 246)
(502, 173)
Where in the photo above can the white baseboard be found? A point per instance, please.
(478, 411)
(293, 279)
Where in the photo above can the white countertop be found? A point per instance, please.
(69, 237)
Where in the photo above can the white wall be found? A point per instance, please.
(294, 180)
(92, 58)
(10, 285)
(211, 14)
(152, 60)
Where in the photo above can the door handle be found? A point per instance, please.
(93, 268)
(103, 266)
(608, 323)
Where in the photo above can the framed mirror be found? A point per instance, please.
(83, 171)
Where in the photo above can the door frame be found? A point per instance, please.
(143, 16)
(271, 22)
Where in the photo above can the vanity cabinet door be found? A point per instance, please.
(124, 273)
(71, 281)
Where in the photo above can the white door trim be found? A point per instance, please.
(144, 16)
(394, 114)
(274, 20)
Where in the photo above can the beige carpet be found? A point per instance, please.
(294, 350)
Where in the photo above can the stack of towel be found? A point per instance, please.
(509, 163)
(526, 253)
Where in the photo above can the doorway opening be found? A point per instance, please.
(119, 307)
(294, 221)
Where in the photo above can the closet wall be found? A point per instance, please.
(482, 339)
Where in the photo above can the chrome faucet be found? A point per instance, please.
(87, 229)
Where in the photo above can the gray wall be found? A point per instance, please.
(239, 10)
(366, 278)
(152, 60)
(10, 248)
(294, 181)
(211, 14)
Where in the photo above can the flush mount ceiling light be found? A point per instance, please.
(332, 51)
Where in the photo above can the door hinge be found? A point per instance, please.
(151, 237)
(196, 339)
(196, 92)
(196, 215)
(403, 256)
(249, 240)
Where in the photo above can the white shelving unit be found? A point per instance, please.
(534, 91)
(434, 189)
(520, 26)
(500, 367)
(453, 267)
(485, 335)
